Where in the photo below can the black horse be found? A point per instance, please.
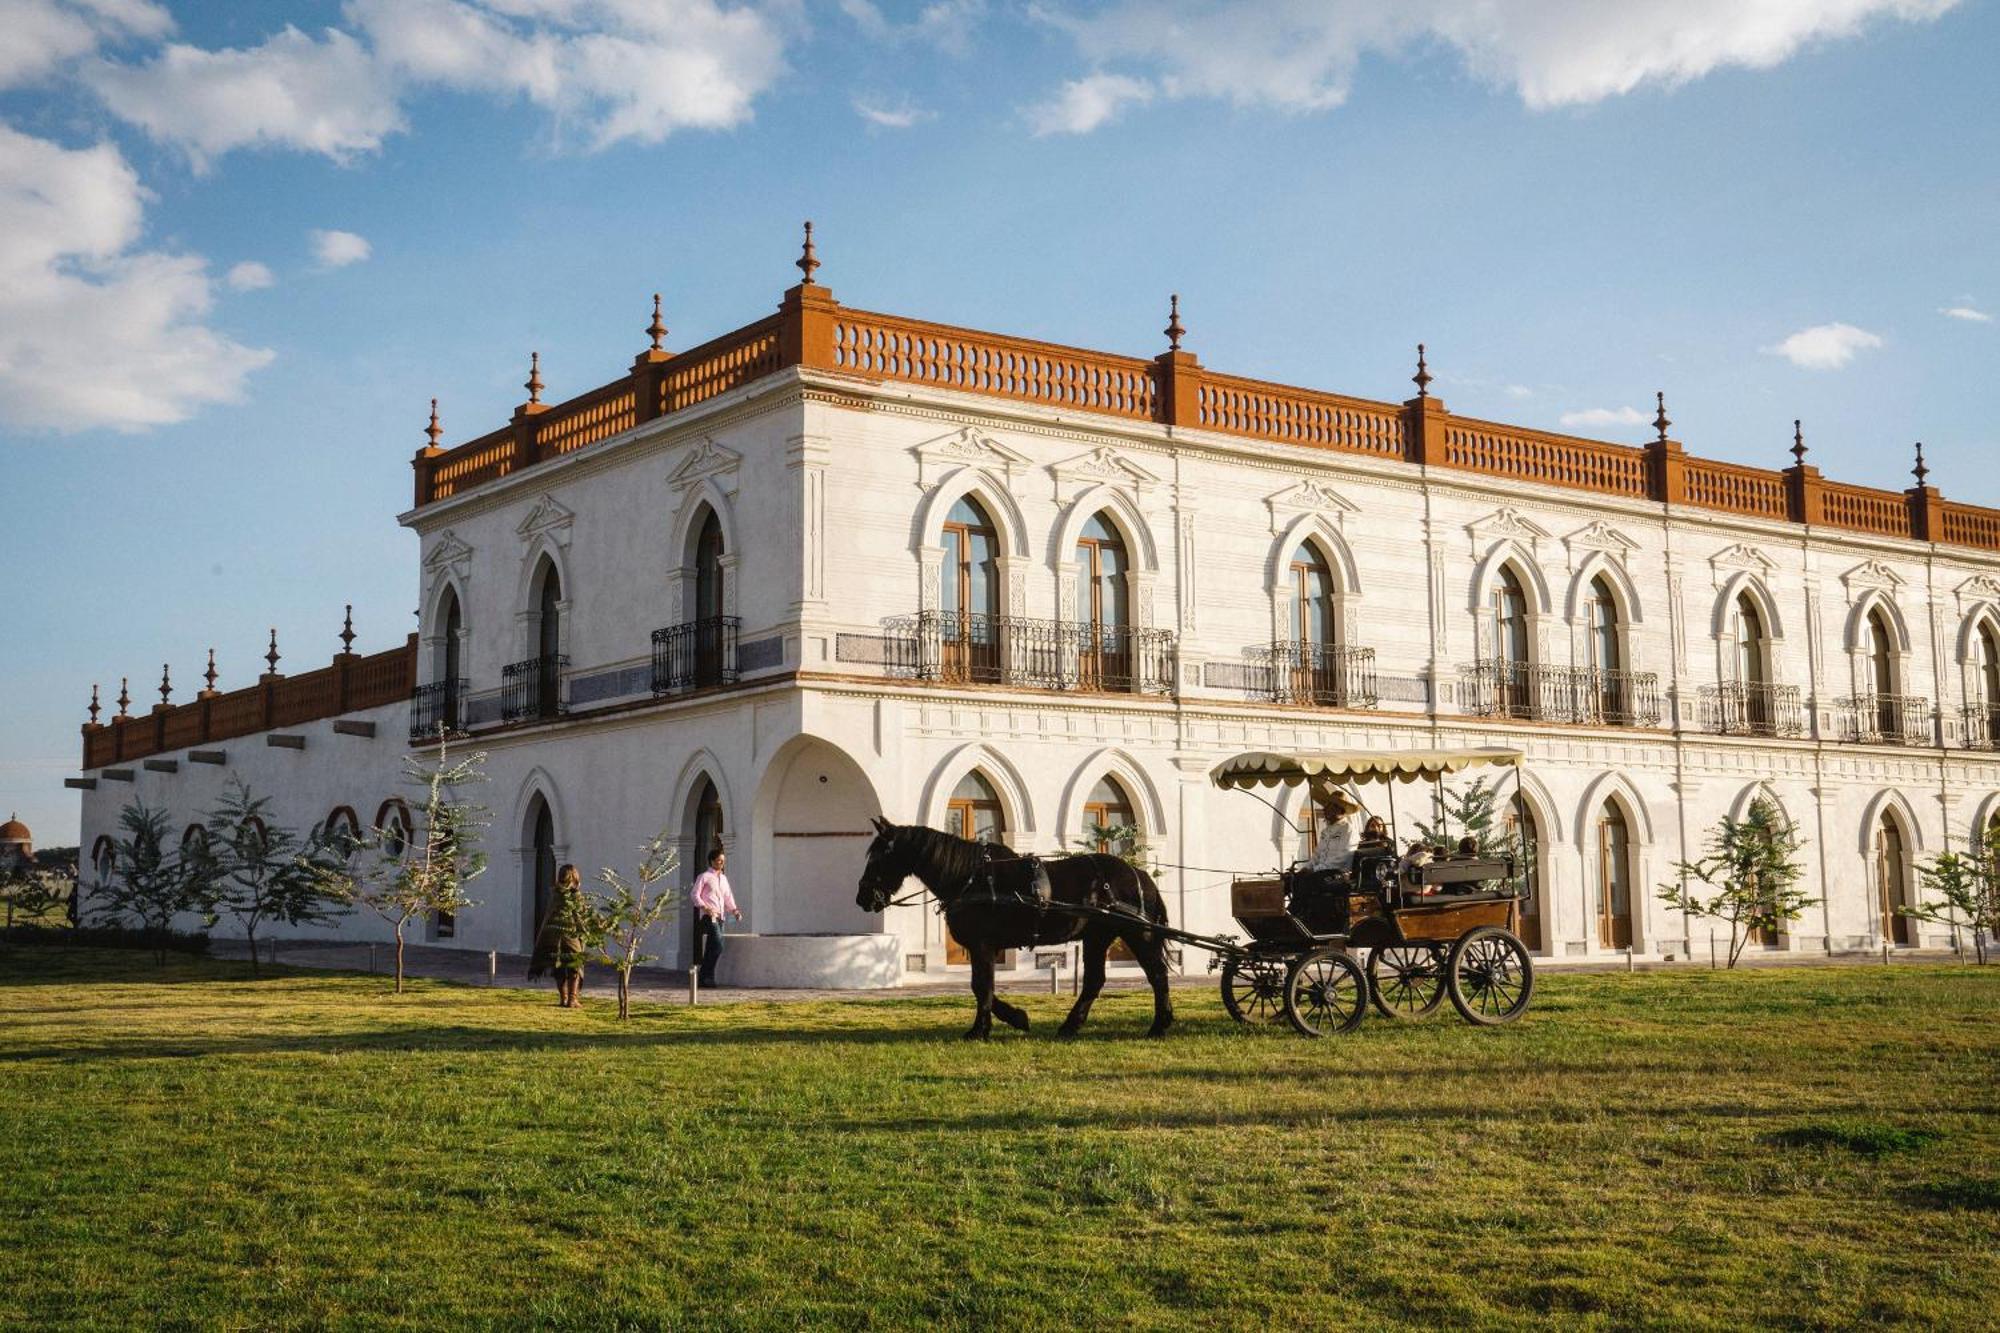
(964, 877)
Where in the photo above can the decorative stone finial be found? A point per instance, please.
(1660, 421)
(124, 697)
(1920, 471)
(1798, 443)
(166, 686)
(211, 674)
(533, 384)
(272, 655)
(807, 260)
(434, 431)
(95, 707)
(347, 630)
(656, 330)
(1175, 330)
(1422, 379)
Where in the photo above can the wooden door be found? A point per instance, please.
(1614, 881)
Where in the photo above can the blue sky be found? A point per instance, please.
(1769, 210)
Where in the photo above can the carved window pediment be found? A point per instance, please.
(967, 447)
(1600, 536)
(449, 551)
(1978, 588)
(548, 516)
(1871, 574)
(1310, 496)
(1507, 523)
(1741, 556)
(1101, 466)
(705, 459)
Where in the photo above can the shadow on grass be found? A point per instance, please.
(1976, 1196)
(1863, 1137)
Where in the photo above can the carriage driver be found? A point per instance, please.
(1337, 834)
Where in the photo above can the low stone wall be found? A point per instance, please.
(814, 962)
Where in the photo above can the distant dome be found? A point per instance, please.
(15, 831)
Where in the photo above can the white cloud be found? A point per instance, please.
(1825, 346)
(1599, 417)
(945, 24)
(900, 117)
(1519, 391)
(613, 70)
(249, 276)
(329, 96)
(1300, 55)
(338, 249)
(1967, 313)
(94, 332)
(44, 34)
(1084, 104)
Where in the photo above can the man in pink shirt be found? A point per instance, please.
(711, 898)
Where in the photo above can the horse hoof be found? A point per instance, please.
(1019, 1022)
(976, 1034)
(1065, 1032)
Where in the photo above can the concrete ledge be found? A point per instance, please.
(349, 727)
(207, 757)
(161, 765)
(815, 962)
(80, 784)
(116, 774)
(280, 741)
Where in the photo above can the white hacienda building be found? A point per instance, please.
(837, 564)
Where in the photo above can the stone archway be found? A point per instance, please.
(812, 818)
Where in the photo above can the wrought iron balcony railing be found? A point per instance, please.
(695, 655)
(1499, 687)
(1752, 708)
(1035, 654)
(1979, 724)
(1885, 719)
(533, 690)
(1330, 675)
(437, 707)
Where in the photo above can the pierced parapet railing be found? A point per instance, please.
(1752, 708)
(1034, 654)
(1556, 460)
(1736, 489)
(695, 655)
(1300, 416)
(1328, 675)
(532, 690)
(1885, 719)
(1979, 726)
(1593, 696)
(906, 349)
(1864, 509)
(437, 708)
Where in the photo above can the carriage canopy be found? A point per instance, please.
(1326, 770)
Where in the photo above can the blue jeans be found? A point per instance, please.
(707, 946)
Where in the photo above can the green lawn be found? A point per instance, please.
(186, 1146)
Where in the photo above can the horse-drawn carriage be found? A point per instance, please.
(1433, 925)
(1436, 925)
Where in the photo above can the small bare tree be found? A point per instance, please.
(1967, 889)
(264, 873)
(631, 909)
(1752, 872)
(404, 875)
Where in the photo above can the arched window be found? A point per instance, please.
(708, 825)
(194, 840)
(1311, 659)
(1508, 608)
(1984, 716)
(534, 687)
(104, 857)
(1605, 649)
(1753, 658)
(342, 829)
(1103, 605)
(393, 823)
(1108, 808)
(1888, 710)
(710, 604)
(1614, 878)
(974, 811)
(969, 594)
(541, 862)
(1526, 837)
(1315, 617)
(1892, 879)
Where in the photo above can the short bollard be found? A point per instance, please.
(1628, 959)
(1885, 951)
(371, 958)
(694, 987)
(1711, 950)
(1051, 961)
(492, 967)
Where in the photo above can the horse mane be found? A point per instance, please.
(944, 861)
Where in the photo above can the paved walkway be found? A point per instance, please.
(662, 986)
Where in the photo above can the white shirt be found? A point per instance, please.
(1336, 845)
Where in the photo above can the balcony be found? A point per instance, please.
(438, 707)
(532, 691)
(1326, 675)
(1980, 726)
(696, 655)
(1498, 687)
(1033, 654)
(1752, 708)
(1885, 719)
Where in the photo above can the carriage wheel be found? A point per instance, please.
(1490, 976)
(1253, 989)
(1407, 980)
(1326, 992)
